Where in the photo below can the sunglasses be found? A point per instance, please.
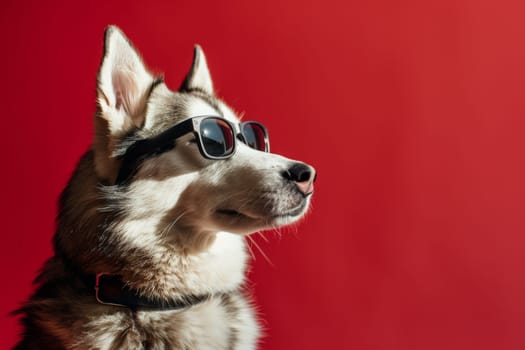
(216, 138)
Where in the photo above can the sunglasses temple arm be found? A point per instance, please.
(143, 149)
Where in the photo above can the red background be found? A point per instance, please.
(412, 112)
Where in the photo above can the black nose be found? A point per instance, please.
(298, 172)
(303, 176)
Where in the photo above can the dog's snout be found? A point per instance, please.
(303, 176)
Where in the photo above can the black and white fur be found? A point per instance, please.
(175, 230)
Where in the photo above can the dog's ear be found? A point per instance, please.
(198, 78)
(123, 83)
(123, 87)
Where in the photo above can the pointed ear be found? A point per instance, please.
(198, 78)
(123, 84)
(123, 87)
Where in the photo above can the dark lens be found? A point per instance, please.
(217, 137)
(254, 134)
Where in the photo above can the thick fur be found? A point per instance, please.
(175, 230)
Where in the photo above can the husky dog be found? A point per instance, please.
(149, 247)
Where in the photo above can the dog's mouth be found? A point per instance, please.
(231, 213)
(268, 217)
(298, 210)
(269, 210)
(235, 214)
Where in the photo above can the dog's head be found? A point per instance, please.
(171, 189)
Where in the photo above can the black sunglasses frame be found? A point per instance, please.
(165, 141)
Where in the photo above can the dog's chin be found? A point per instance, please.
(246, 222)
(290, 216)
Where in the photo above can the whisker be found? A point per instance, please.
(262, 252)
(277, 231)
(261, 234)
(250, 248)
(171, 224)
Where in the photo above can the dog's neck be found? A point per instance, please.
(165, 272)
